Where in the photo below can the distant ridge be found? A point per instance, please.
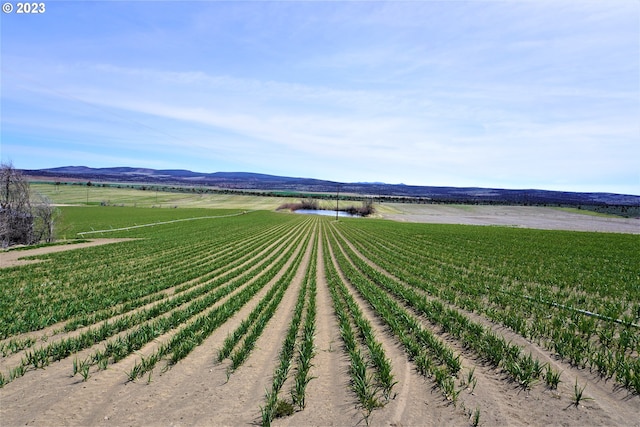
(263, 182)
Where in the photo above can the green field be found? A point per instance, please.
(574, 294)
(129, 197)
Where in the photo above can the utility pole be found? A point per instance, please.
(337, 198)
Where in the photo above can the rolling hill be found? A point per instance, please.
(271, 183)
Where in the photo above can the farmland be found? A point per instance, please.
(232, 317)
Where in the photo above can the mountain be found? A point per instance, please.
(126, 171)
(271, 183)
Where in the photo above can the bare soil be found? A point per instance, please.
(510, 216)
(14, 258)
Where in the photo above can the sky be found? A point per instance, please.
(502, 94)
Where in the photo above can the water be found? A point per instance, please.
(322, 212)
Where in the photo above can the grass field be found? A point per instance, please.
(519, 216)
(223, 316)
(128, 197)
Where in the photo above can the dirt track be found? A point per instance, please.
(13, 258)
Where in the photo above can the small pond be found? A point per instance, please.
(323, 212)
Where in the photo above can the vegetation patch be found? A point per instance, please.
(365, 209)
(169, 290)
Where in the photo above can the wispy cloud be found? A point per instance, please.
(447, 93)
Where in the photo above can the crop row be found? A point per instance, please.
(202, 322)
(305, 346)
(432, 357)
(606, 346)
(224, 258)
(370, 369)
(181, 282)
(523, 369)
(168, 315)
(252, 326)
(76, 283)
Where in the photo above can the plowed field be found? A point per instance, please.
(233, 319)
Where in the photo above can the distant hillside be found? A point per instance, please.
(396, 192)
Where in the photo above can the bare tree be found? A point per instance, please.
(367, 207)
(44, 215)
(21, 221)
(16, 217)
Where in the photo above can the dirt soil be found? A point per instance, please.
(14, 258)
(198, 391)
(510, 216)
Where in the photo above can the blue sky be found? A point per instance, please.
(509, 94)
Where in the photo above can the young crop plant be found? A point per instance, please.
(577, 321)
(306, 350)
(273, 406)
(187, 338)
(204, 325)
(421, 344)
(369, 387)
(380, 362)
(80, 284)
(240, 355)
(475, 418)
(16, 345)
(578, 394)
(552, 378)
(523, 369)
(16, 372)
(134, 372)
(470, 381)
(81, 367)
(38, 358)
(448, 386)
(232, 340)
(75, 367)
(267, 411)
(84, 370)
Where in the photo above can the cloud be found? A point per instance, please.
(449, 93)
(470, 129)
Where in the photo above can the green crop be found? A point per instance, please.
(186, 273)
